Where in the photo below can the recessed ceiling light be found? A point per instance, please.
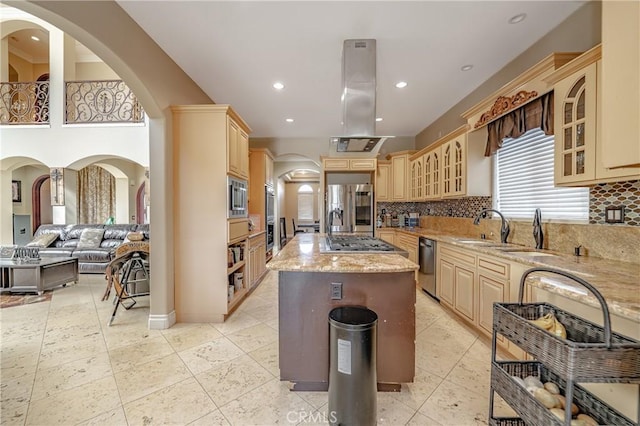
(289, 120)
(34, 38)
(278, 85)
(379, 119)
(401, 84)
(518, 18)
(466, 67)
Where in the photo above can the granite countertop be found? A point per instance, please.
(618, 282)
(302, 254)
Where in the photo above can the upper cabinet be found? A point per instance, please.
(383, 181)
(417, 178)
(443, 169)
(578, 123)
(621, 84)
(237, 148)
(454, 166)
(431, 168)
(400, 177)
(349, 164)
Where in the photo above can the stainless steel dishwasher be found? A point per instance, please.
(427, 273)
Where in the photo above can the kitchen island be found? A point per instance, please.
(382, 282)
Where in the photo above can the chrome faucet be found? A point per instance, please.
(537, 229)
(330, 216)
(504, 226)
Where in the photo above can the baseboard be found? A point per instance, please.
(162, 322)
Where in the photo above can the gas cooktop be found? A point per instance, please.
(358, 244)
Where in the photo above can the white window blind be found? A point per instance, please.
(305, 206)
(524, 181)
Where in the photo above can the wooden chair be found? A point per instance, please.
(127, 272)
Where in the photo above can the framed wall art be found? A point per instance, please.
(16, 191)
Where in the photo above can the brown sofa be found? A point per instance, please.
(90, 260)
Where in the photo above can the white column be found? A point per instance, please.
(6, 209)
(122, 200)
(4, 59)
(56, 80)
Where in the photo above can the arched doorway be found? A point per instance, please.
(41, 201)
(141, 211)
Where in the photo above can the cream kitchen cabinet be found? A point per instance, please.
(256, 260)
(408, 243)
(454, 166)
(431, 169)
(621, 83)
(237, 148)
(383, 181)
(400, 178)
(469, 284)
(349, 164)
(387, 235)
(579, 143)
(417, 178)
(260, 177)
(202, 275)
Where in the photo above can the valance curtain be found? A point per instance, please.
(536, 114)
(96, 195)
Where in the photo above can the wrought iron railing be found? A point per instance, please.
(24, 103)
(106, 101)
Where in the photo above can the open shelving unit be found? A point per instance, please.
(590, 354)
(236, 273)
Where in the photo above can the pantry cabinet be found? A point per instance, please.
(383, 181)
(207, 263)
(260, 178)
(579, 143)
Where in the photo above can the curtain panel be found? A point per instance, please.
(536, 114)
(96, 195)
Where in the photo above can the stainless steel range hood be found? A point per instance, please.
(358, 100)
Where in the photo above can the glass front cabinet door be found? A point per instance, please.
(575, 127)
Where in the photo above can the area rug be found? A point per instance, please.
(17, 299)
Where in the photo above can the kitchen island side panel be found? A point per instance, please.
(304, 306)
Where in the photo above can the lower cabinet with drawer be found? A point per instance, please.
(470, 283)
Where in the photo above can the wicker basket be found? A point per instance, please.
(533, 412)
(590, 353)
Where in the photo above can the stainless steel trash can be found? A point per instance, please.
(352, 366)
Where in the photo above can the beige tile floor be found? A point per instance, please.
(62, 364)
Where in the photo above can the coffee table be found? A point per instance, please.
(37, 275)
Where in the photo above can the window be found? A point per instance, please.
(524, 181)
(305, 203)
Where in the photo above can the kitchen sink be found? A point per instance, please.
(531, 253)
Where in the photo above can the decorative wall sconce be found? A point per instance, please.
(57, 186)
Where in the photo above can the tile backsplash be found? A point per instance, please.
(625, 194)
(464, 207)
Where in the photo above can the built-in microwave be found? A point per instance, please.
(236, 198)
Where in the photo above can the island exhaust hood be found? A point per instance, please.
(358, 100)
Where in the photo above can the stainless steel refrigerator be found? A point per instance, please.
(352, 207)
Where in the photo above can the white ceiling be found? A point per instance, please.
(236, 50)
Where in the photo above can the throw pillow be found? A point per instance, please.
(43, 240)
(134, 236)
(90, 238)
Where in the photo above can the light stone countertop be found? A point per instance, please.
(618, 282)
(302, 254)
